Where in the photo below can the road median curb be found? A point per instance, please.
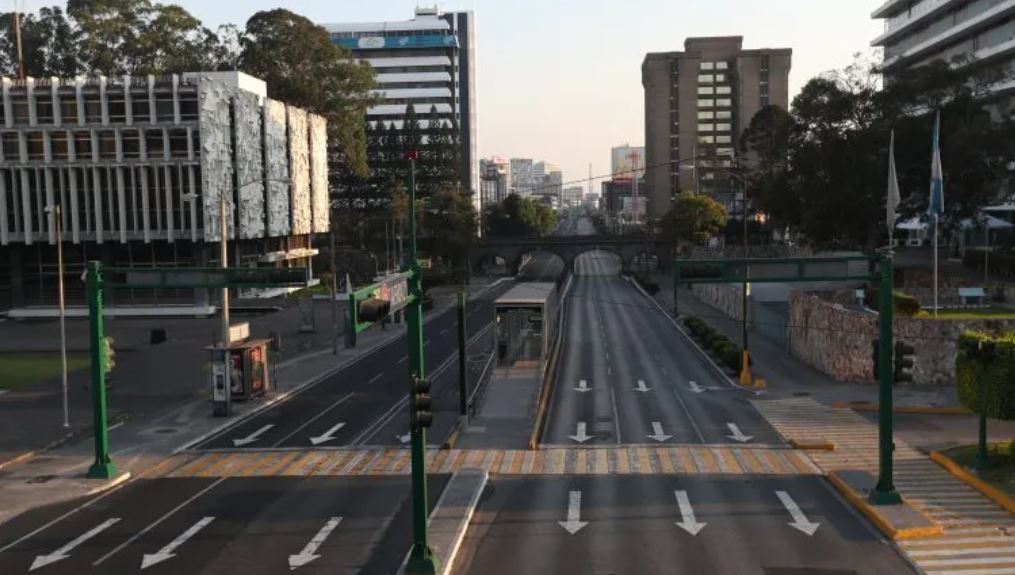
(896, 522)
(547, 384)
(960, 473)
(911, 409)
(450, 518)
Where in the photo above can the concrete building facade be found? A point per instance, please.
(920, 31)
(427, 62)
(522, 176)
(496, 180)
(697, 103)
(140, 167)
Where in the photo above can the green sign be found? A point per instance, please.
(787, 270)
(392, 289)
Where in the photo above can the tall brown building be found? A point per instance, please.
(697, 102)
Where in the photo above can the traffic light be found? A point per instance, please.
(876, 356)
(904, 362)
(421, 404)
(373, 309)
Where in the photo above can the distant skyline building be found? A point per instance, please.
(547, 180)
(918, 32)
(573, 196)
(429, 61)
(697, 103)
(521, 176)
(495, 184)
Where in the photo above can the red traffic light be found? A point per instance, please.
(412, 155)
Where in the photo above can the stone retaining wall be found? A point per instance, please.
(838, 341)
(726, 298)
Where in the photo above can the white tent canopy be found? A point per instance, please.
(992, 223)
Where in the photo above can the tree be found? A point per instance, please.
(449, 220)
(47, 43)
(139, 37)
(693, 218)
(302, 67)
(516, 216)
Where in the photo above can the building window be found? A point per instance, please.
(12, 146)
(706, 115)
(707, 65)
(708, 176)
(69, 111)
(724, 151)
(706, 103)
(44, 110)
(723, 139)
(706, 78)
(83, 145)
(117, 107)
(723, 90)
(188, 107)
(724, 102)
(723, 127)
(706, 139)
(720, 77)
(706, 127)
(35, 146)
(131, 144)
(59, 142)
(724, 115)
(155, 144)
(764, 101)
(107, 145)
(722, 65)
(706, 91)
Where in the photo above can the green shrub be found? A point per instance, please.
(647, 282)
(905, 304)
(986, 364)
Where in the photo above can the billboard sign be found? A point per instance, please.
(393, 289)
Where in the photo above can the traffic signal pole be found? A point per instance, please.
(421, 559)
(884, 492)
(463, 389)
(103, 467)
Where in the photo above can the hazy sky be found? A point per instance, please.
(560, 80)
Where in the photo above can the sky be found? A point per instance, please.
(560, 80)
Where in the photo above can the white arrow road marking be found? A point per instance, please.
(574, 523)
(641, 387)
(253, 436)
(657, 432)
(800, 521)
(404, 438)
(309, 552)
(695, 388)
(687, 520)
(64, 552)
(327, 435)
(737, 435)
(583, 386)
(580, 436)
(167, 552)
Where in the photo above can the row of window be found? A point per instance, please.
(715, 65)
(116, 109)
(723, 127)
(721, 139)
(711, 78)
(102, 144)
(719, 103)
(713, 90)
(716, 115)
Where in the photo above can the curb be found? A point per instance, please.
(116, 481)
(117, 420)
(812, 445)
(912, 409)
(452, 439)
(871, 513)
(960, 473)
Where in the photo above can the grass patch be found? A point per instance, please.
(993, 312)
(1001, 475)
(22, 370)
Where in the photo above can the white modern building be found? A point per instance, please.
(495, 184)
(426, 62)
(140, 168)
(920, 31)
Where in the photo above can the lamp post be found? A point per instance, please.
(55, 212)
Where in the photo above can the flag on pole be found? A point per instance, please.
(893, 188)
(937, 180)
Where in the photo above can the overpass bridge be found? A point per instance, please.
(567, 248)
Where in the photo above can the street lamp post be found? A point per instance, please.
(55, 211)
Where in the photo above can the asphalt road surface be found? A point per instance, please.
(222, 526)
(635, 525)
(627, 375)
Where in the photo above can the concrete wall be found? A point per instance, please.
(299, 170)
(319, 199)
(249, 165)
(838, 341)
(726, 298)
(216, 155)
(276, 168)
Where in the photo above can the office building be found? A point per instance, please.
(427, 62)
(547, 180)
(139, 168)
(697, 103)
(521, 176)
(573, 196)
(921, 31)
(495, 184)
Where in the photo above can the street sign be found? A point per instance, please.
(204, 277)
(239, 332)
(394, 289)
(783, 270)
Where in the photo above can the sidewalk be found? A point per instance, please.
(142, 443)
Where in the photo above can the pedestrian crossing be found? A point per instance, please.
(979, 535)
(703, 459)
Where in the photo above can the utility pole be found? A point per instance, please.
(745, 367)
(421, 558)
(334, 295)
(63, 314)
(463, 388)
(884, 492)
(103, 466)
(224, 257)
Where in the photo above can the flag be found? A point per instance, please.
(937, 179)
(893, 187)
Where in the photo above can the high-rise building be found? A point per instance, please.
(426, 62)
(921, 31)
(495, 184)
(697, 103)
(547, 180)
(140, 168)
(573, 196)
(521, 176)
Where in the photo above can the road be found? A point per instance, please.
(628, 376)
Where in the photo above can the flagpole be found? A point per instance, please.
(936, 219)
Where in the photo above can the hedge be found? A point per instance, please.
(648, 283)
(986, 363)
(905, 304)
(728, 352)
